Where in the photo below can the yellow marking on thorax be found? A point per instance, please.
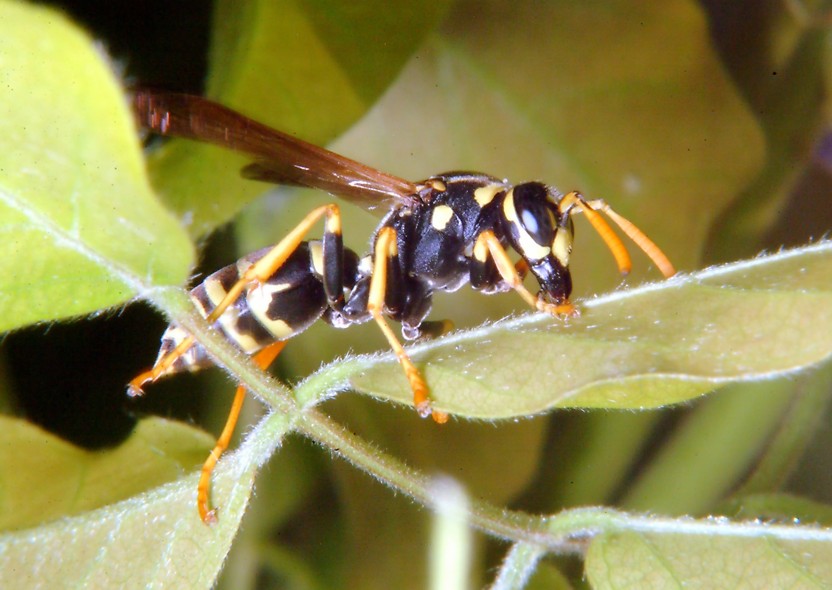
(441, 216)
(437, 185)
(485, 194)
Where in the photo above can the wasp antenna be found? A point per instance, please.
(611, 239)
(642, 241)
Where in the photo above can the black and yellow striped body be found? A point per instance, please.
(436, 239)
(438, 235)
(277, 309)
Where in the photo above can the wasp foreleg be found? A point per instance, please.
(488, 244)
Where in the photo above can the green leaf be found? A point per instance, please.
(647, 347)
(45, 478)
(637, 560)
(154, 539)
(635, 551)
(693, 469)
(799, 425)
(81, 228)
(788, 89)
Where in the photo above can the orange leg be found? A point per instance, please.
(488, 244)
(386, 248)
(262, 359)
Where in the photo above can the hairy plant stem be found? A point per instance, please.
(304, 418)
(567, 532)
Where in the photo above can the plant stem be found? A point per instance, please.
(567, 532)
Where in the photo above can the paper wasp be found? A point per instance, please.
(437, 235)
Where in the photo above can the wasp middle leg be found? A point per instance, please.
(385, 255)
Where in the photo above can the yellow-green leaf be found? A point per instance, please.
(44, 478)
(153, 539)
(644, 561)
(81, 228)
(648, 347)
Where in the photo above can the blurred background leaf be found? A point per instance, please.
(76, 208)
(697, 120)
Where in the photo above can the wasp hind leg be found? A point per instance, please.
(262, 359)
(385, 251)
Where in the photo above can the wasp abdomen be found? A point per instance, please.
(287, 303)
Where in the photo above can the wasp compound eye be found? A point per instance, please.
(534, 212)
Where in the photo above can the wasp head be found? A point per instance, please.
(542, 235)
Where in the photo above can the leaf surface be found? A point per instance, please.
(81, 229)
(45, 478)
(653, 346)
(152, 540)
(635, 560)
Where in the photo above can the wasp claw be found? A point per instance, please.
(423, 409)
(210, 517)
(134, 391)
